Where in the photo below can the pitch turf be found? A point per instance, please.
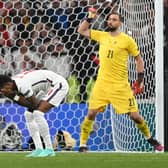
(86, 160)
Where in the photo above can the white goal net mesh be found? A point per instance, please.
(42, 34)
(139, 23)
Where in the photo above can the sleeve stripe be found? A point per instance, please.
(25, 94)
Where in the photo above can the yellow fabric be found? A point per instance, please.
(119, 95)
(113, 55)
(143, 127)
(86, 128)
(112, 86)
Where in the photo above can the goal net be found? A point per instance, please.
(139, 23)
(42, 35)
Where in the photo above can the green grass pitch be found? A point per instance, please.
(86, 160)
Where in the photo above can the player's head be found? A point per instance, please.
(6, 84)
(4, 79)
(114, 21)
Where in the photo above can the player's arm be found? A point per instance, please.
(30, 102)
(138, 86)
(140, 68)
(83, 28)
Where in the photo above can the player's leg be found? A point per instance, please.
(143, 127)
(141, 124)
(86, 128)
(52, 99)
(43, 125)
(34, 133)
(97, 103)
(129, 103)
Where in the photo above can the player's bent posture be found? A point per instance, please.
(112, 84)
(39, 91)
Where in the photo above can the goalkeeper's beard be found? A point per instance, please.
(112, 29)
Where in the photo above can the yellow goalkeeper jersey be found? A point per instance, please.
(113, 55)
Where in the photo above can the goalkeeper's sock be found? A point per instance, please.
(43, 128)
(143, 127)
(33, 130)
(86, 128)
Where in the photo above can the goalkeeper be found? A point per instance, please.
(112, 84)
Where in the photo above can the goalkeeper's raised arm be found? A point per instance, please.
(84, 26)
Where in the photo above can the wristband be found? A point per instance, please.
(89, 20)
(16, 97)
(140, 77)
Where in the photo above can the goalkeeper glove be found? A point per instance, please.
(138, 86)
(95, 59)
(91, 15)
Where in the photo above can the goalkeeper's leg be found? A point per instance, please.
(143, 127)
(86, 128)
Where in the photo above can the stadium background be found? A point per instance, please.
(42, 34)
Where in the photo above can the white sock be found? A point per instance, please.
(43, 128)
(33, 130)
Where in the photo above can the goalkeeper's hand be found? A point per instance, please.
(92, 12)
(137, 87)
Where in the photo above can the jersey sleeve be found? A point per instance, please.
(95, 35)
(26, 90)
(133, 47)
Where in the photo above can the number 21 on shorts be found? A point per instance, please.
(131, 102)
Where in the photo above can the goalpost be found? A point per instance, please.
(159, 70)
(144, 21)
(42, 34)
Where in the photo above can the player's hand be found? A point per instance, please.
(92, 12)
(91, 15)
(95, 59)
(137, 87)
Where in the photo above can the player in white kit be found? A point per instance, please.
(39, 91)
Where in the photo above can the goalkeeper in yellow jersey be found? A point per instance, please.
(112, 86)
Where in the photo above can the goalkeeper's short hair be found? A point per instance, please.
(116, 13)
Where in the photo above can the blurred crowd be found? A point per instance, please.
(34, 33)
(42, 34)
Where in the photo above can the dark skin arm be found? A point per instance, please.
(30, 102)
(9, 90)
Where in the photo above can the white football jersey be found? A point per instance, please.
(32, 82)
